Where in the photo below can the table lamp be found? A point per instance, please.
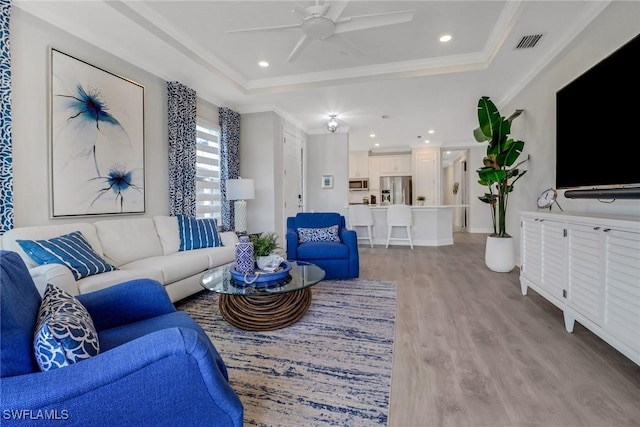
(240, 190)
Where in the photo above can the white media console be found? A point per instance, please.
(589, 267)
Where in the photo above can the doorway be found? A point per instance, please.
(455, 185)
(293, 188)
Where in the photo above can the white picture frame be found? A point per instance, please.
(96, 140)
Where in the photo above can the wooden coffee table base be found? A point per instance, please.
(265, 312)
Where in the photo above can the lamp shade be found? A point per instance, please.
(240, 189)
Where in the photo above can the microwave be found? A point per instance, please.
(359, 184)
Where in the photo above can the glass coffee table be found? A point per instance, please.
(265, 305)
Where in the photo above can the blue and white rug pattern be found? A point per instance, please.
(332, 368)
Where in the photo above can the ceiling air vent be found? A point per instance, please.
(528, 41)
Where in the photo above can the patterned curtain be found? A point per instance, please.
(182, 149)
(6, 170)
(229, 160)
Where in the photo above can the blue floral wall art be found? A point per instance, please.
(97, 140)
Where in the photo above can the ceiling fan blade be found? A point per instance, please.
(362, 22)
(279, 27)
(335, 9)
(300, 12)
(325, 7)
(346, 45)
(298, 47)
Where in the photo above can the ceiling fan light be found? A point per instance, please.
(318, 27)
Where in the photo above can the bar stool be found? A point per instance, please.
(399, 216)
(361, 216)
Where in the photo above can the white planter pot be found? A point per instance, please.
(499, 254)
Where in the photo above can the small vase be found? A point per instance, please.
(245, 261)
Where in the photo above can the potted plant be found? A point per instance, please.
(421, 200)
(264, 248)
(498, 173)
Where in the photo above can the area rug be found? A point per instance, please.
(332, 368)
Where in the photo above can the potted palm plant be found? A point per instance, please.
(498, 173)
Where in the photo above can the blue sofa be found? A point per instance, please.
(156, 366)
(339, 260)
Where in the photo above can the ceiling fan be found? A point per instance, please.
(323, 22)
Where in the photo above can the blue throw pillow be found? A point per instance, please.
(325, 234)
(198, 233)
(71, 250)
(65, 332)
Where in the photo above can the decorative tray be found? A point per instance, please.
(259, 276)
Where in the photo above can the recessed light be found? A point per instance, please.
(372, 135)
(426, 141)
(263, 64)
(431, 131)
(376, 144)
(445, 38)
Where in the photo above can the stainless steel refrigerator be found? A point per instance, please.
(395, 190)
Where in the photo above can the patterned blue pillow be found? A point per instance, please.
(71, 250)
(326, 234)
(65, 332)
(198, 233)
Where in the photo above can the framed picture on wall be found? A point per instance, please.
(327, 181)
(96, 140)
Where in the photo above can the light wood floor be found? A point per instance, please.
(470, 350)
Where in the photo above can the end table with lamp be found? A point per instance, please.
(240, 190)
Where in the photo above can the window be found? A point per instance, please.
(207, 171)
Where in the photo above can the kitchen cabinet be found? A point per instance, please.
(395, 165)
(426, 175)
(589, 267)
(358, 164)
(374, 174)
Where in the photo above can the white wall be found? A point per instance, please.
(616, 25)
(257, 162)
(327, 154)
(262, 158)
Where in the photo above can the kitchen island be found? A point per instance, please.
(432, 225)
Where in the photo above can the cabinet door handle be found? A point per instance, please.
(606, 230)
(596, 228)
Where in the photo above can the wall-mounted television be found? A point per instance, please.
(598, 128)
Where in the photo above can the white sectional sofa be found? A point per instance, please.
(138, 247)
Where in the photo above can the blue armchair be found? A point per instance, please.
(338, 259)
(156, 366)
